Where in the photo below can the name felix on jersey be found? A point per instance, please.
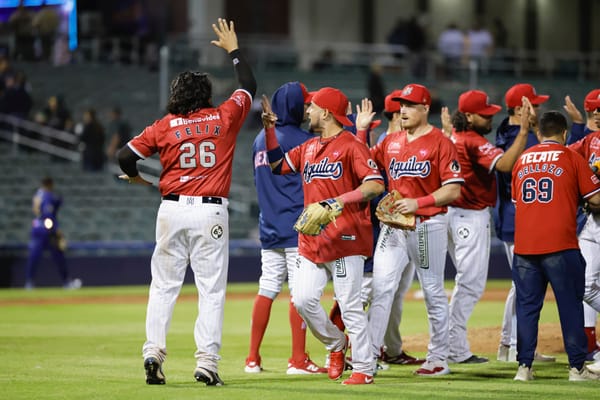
(322, 170)
(540, 161)
(410, 167)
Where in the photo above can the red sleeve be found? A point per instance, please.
(588, 182)
(145, 144)
(450, 171)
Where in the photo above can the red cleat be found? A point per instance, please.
(358, 378)
(337, 362)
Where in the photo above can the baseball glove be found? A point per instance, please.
(316, 216)
(386, 213)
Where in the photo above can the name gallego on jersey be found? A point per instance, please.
(322, 170)
(410, 167)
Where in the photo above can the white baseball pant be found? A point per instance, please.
(508, 334)
(310, 280)
(276, 265)
(589, 243)
(195, 235)
(469, 238)
(426, 247)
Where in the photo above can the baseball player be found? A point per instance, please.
(392, 351)
(196, 143)
(281, 201)
(589, 240)
(469, 232)
(46, 235)
(548, 180)
(579, 130)
(422, 165)
(336, 168)
(504, 211)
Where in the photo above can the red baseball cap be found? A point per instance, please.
(334, 101)
(390, 104)
(414, 93)
(514, 95)
(476, 102)
(592, 100)
(305, 93)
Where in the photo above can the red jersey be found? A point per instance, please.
(588, 147)
(329, 168)
(548, 181)
(477, 157)
(196, 152)
(420, 167)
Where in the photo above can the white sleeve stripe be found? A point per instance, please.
(372, 178)
(590, 194)
(136, 151)
(245, 91)
(493, 165)
(287, 160)
(453, 180)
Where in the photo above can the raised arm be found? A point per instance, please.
(227, 40)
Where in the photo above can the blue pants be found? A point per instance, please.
(565, 270)
(38, 243)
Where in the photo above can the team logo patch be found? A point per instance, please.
(372, 164)
(216, 231)
(455, 166)
(463, 232)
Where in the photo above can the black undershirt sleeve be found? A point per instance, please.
(128, 161)
(243, 72)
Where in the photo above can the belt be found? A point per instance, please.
(202, 199)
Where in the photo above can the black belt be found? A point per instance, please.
(205, 199)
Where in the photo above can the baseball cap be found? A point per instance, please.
(390, 105)
(476, 102)
(334, 101)
(414, 93)
(514, 95)
(592, 100)
(305, 93)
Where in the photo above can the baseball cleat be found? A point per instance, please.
(253, 367)
(337, 361)
(583, 374)
(539, 357)
(595, 367)
(524, 373)
(358, 378)
(401, 359)
(433, 368)
(306, 367)
(474, 360)
(154, 373)
(209, 377)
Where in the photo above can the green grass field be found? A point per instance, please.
(86, 344)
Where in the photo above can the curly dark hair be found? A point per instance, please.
(190, 91)
(459, 121)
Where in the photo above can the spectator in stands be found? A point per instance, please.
(45, 26)
(46, 235)
(91, 136)
(398, 36)
(326, 60)
(479, 45)
(56, 114)
(21, 26)
(15, 99)
(6, 70)
(451, 45)
(119, 133)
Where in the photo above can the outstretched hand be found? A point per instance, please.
(268, 116)
(528, 115)
(364, 114)
(446, 121)
(227, 39)
(572, 110)
(136, 179)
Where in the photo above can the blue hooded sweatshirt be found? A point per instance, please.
(280, 197)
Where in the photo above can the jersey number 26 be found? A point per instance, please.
(205, 156)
